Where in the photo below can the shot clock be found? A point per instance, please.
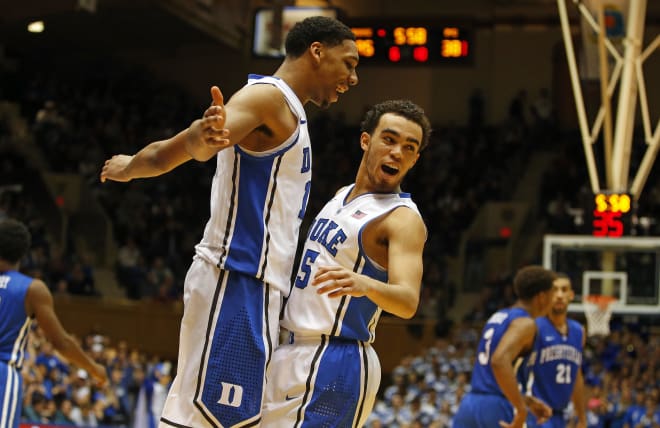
(413, 44)
(611, 214)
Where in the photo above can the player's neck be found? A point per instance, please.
(559, 321)
(290, 73)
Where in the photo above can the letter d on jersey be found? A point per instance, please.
(231, 395)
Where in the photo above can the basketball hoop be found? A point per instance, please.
(598, 311)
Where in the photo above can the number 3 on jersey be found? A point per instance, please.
(305, 270)
(484, 356)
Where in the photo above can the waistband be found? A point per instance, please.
(292, 338)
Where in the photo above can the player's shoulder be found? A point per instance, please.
(265, 98)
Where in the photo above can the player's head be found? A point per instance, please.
(14, 240)
(328, 48)
(328, 31)
(392, 135)
(533, 285)
(563, 294)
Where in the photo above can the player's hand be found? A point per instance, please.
(99, 374)
(518, 421)
(210, 129)
(336, 281)
(539, 409)
(115, 168)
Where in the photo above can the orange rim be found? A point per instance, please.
(601, 300)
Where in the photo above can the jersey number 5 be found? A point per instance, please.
(305, 270)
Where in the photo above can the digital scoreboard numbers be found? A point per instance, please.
(413, 44)
(611, 214)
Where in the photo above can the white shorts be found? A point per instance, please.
(321, 382)
(228, 332)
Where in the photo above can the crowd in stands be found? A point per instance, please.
(58, 393)
(78, 122)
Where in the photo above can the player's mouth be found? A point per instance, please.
(389, 170)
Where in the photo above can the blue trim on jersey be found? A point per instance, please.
(253, 186)
(356, 321)
(279, 152)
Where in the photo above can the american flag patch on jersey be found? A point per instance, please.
(358, 214)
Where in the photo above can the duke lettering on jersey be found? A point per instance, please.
(323, 231)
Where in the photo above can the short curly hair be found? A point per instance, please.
(403, 108)
(328, 31)
(532, 280)
(15, 240)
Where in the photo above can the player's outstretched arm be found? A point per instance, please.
(204, 138)
(39, 303)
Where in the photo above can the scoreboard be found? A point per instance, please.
(413, 43)
(610, 215)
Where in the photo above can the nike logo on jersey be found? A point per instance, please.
(288, 398)
(549, 338)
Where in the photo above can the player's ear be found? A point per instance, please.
(365, 139)
(316, 50)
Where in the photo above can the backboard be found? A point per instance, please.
(626, 268)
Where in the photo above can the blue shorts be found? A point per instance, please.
(482, 411)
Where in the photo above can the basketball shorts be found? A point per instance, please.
(11, 388)
(228, 332)
(482, 411)
(321, 382)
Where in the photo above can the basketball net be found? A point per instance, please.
(598, 311)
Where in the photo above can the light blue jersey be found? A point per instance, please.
(14, 328)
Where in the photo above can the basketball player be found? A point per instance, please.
(242, 268)
(362, 255)
(507, 339)
(554, 367)
(22, 300)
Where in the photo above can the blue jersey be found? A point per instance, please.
(14, 328)
(483, 380)
(554, 363)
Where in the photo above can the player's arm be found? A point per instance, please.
(400, 295)
(204, 136)
(517, 339)
(578, 396)
(39, 303)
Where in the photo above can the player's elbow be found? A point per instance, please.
(408, 309)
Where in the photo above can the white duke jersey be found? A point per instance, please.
(335, 238)
(258, 201)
